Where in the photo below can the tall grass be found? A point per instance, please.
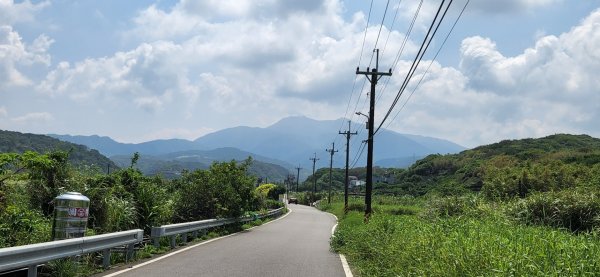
(411, 246)
(457, 236)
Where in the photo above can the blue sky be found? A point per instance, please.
(142, 70)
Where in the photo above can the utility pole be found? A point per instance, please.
(314, 160)
(298, 178)
(331, 152)
(348, 134)
(375, 76)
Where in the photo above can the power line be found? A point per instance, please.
(381, 25)
(359, 61)
(401, 49)
(372, 55)
(391, 27)
(428, 67)
(359, 153)
(424, 45)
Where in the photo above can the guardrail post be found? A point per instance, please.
(130, 249)
(156, 241)
(195, 234)
(173, 241)
(32, 271)
(184, 238)
(106, 258)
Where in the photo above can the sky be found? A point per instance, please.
(144, 70)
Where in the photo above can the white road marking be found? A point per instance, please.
(345, 265)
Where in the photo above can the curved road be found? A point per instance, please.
(297, 245)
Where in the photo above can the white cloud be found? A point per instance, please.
(39, 117)
(510, 6)
(150, 104)
(207, 65)
(15, 55)
(549, 88)
(11, 12)
(3, 112)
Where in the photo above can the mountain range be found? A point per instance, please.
(289, 142)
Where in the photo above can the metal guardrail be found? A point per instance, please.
(32, 255)
(183, 229)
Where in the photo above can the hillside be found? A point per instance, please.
(170, 165)
(518, 165)
(80, 155)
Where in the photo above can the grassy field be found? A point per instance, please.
(410, 237)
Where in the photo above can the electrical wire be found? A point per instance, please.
(356, 77)
(358, 155)
(428, 67)
(424, 46)
(401, 49)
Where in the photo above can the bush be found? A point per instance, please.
(575, 210)
(222, 191)
(453, 206)
(21, 226)
(273, 204)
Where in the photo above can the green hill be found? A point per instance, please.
(15, 142)
(516, 166)
(170, 166)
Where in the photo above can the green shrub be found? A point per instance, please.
(20, 226)
(467, 205)
(120, 215)
(273, 204)
(575, 210)
(153, 204)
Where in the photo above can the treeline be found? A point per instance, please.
(122, 200)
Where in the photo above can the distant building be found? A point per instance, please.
(354, 182)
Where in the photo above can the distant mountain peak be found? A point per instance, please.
(291, 140)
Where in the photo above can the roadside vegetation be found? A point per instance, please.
(515, 208)
(122, 200)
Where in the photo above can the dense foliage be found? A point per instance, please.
(509, 168)
(124, 199)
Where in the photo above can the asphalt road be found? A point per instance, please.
(297, 245)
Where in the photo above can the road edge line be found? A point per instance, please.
(188, 248)
(345, 264)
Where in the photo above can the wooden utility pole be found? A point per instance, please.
(374, 77)
(348, 134)
(314, 160)
(331, 152)
(298, 177)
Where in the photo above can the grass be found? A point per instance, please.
(410, 244)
